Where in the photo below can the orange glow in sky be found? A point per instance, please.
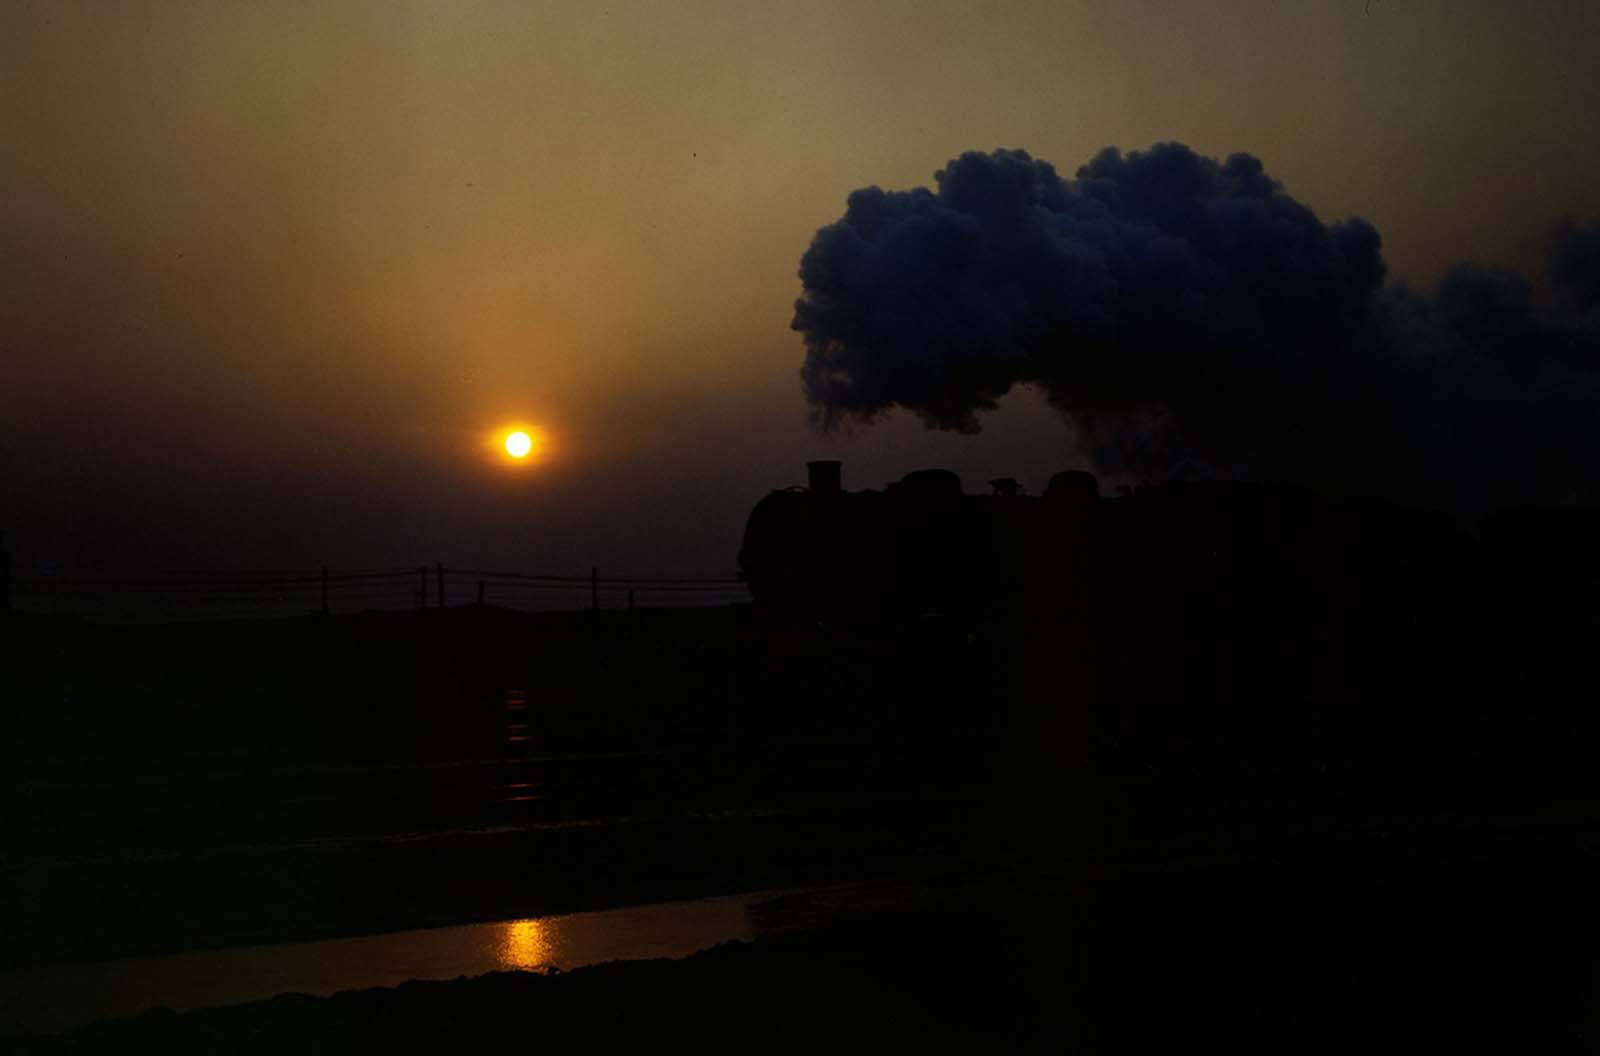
(357, 245)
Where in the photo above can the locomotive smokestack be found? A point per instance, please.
(823, 477)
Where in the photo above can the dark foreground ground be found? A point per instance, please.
(1283, 952)
(797, 993)
(1270, 831)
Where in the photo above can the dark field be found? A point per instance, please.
(209, 784)
(1159, 829)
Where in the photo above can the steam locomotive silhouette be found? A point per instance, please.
(1213, 549)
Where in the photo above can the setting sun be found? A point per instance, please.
(517, 442)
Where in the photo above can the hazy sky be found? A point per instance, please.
(272, 272)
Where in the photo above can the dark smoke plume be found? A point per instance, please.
(1177, 309)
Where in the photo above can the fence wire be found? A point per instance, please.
(245, 593)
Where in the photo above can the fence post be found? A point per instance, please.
(439, 571)
(324, 590)
(480, 592)
(630, 599)
(594, 588)
(422, 587)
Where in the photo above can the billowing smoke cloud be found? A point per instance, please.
(1179, 309)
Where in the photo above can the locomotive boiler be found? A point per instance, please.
(924, 545)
